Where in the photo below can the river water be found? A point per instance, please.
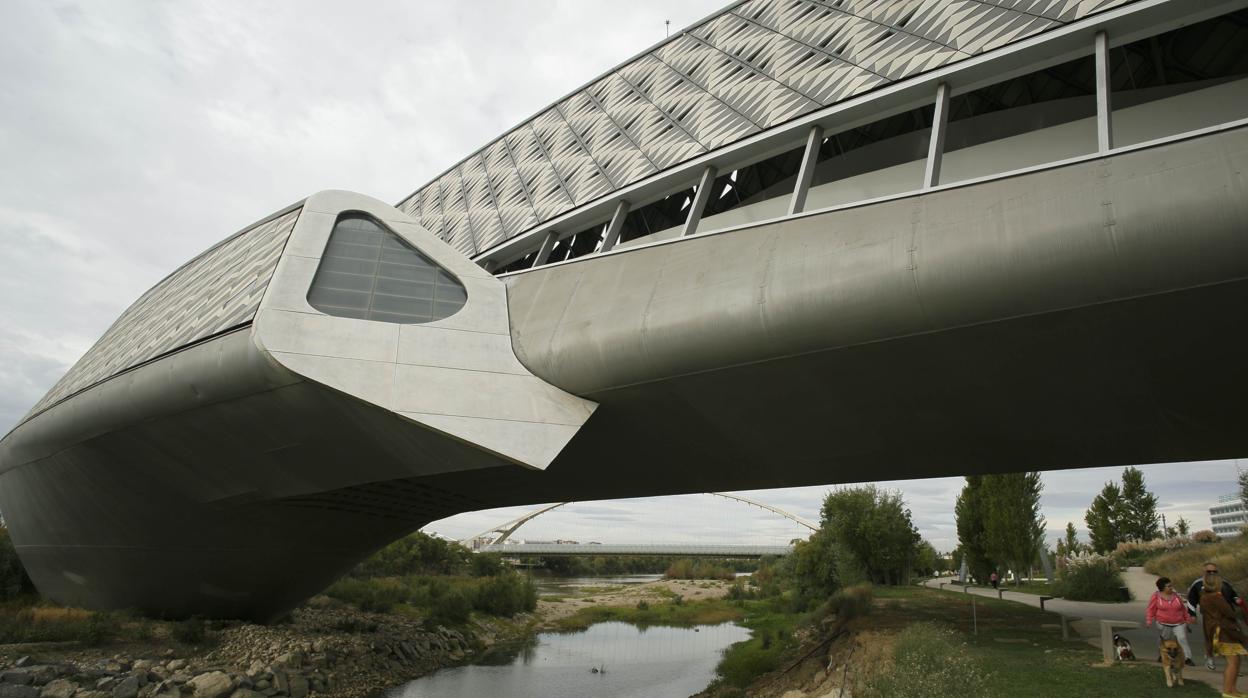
(630, 661)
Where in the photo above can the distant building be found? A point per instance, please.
(1228, 515)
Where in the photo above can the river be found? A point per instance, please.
(608, 659)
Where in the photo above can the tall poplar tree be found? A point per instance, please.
(969, 511)
(1104, 519)
(1013, 525)
(1139, 508)
(1071, 539)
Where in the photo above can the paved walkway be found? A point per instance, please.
(1145, 641)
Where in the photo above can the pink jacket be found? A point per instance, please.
(1171, 612)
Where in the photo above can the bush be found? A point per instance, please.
(373, 595)
(191, 631)
(1090, 578)
(1186, 564)
(698, 569)
(1137, 553)
(506, 595)
(927, 662)
(14, 581)
(1205, 536)
(451, 608)
(101, 627)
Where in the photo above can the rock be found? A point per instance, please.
(168, 654)
(19, 677)
(246, 693)
(167, 689)
(214, 684)
(59, 688)
(106, 684)
(281, 680)
(298, 686)
(24, 661)
(127, 688)
(294, 660)
(175, 664)
(18, 691)
(143, 665)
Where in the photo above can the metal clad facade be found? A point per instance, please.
(217, 290)
(753, 66)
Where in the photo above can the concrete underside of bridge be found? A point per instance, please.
(1090, 314)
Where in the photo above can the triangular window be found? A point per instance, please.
(368, 272)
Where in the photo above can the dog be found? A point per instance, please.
(1172, 660)
(1122, 649)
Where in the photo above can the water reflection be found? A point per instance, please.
(657, 661)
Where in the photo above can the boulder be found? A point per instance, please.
(24, 661)
(9, 690)
(214, 684)
(17, 677)
(127, 688)
(59, 688)
(246, 693)
(175, 664)
(298, 686)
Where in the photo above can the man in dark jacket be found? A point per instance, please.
(1193, 602)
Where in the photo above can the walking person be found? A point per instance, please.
(1222, 632)
(1193, 604)
(994, 579)
(1167, 608)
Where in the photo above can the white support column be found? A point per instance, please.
(543, 253)
(699, 200)
(1104, 125)
(806, 173)
(615, 226)
(936, 146)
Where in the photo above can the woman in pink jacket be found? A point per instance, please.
(1167, 608)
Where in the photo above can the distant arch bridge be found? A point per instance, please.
(495, 539)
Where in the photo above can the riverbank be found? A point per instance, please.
(324, 648)
(997, 648)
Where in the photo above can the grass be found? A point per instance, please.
(771, 641)
(1029, 587)
(1024, 657)
(684, 614)
(1186, 564)
(29, 620)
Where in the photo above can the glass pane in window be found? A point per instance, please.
(368, 272)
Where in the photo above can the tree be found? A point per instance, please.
(1103, 519)
(1071, 540)
(1013, 526)
(1139, 508)
(969, 510)
(1182, 526)
(926, 559)
(874, 526)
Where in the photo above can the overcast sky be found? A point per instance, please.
(133, 135)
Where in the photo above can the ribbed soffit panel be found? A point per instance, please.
(753, 66)
(217, 290)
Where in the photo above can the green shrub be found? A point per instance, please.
(451, 608)
(487, 565)
(927, 662)
(14, 581)
(373, 595)
(698, 569)
(101, 627)
(191, 631)
(643, 605)
(506, 595)
(1092, 578)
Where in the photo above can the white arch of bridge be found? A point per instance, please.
(505, 530)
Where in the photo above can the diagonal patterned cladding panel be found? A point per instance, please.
(214, 292)
(754, 65)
